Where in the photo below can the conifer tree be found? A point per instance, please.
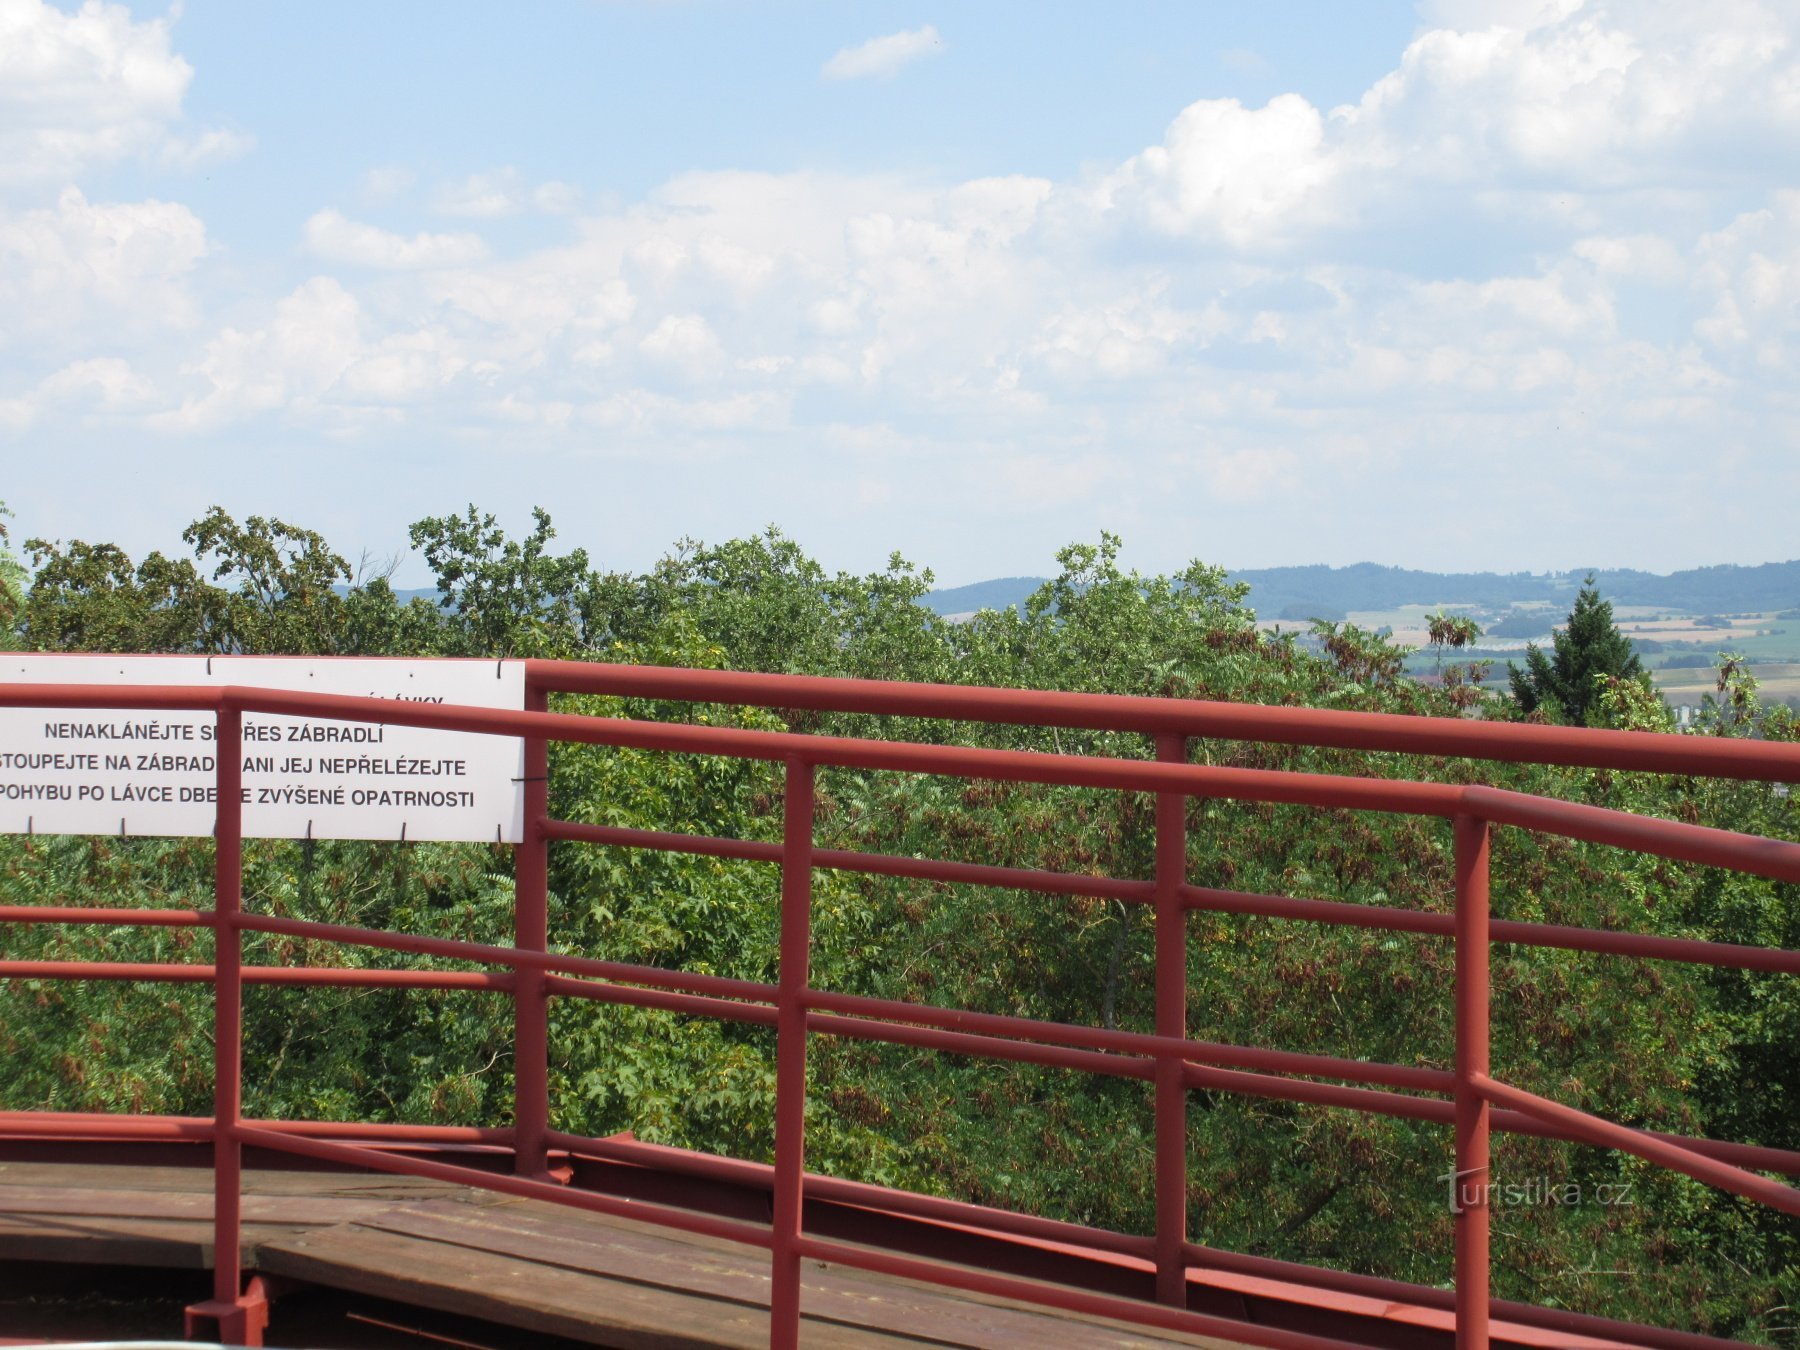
(1588, 647)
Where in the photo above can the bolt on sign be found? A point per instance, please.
(149, 772)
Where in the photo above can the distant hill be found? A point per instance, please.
(1728, 589)
(1000, 593)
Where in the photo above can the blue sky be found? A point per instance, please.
(1464, 284)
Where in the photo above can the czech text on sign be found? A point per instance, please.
(101, 771)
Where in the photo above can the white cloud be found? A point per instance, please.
(385, 182)
(104, 384)
(685, 339)
(314, 360)
(336, 238)
(883, 56)
(1502, 266)
(505, 192)
(105, 263)
(1750, 272)
(91, 86)
(1237, 173)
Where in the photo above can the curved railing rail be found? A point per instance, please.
(1466, 1095)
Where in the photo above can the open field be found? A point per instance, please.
(1680, 649)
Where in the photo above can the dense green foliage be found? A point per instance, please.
(1663, 1045)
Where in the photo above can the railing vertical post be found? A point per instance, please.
(228, 1008)
(531, 932)
(790, 1053)
(1171, 1020)
(1471, 1185)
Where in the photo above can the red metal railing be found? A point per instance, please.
(1466, 1096)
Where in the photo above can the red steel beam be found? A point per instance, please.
(738, 1172)
(1589, 1129)
(459, 950)
(848, 860)
(697, 1005)
(228, 1010)
(285, 1141)
(1030, 1227)
(1748, 853)
(201, 1127)
(1665, 838)
(1133, 1043)
(1070, 1300)
(1515, 742)
(338, 977)
(1364, 731)
(1469, 1183)
(146, 918)
(791, 1029)
(1383, 917)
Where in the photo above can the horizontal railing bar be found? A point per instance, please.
(741, 743)
(100, 1125)
(740, 1172)
(1387, 918)
(847, 860)
(1510, 742)
(1367, 1100)
(1261, 1085)
(144, 918)
(1444, 1300)
(731, 1230)
(1610, 942)
(458, 949)
(698, 1005)
(1693, 843)
(1027, 766)
(1592, 1129)
(982, 1047)
(1773, 858)
(310, 976)
(124, 697)
(200, 1127)
(1381, 917)
(1132, 1042)
(1069, 1300)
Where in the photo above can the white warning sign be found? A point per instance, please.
(113, 771)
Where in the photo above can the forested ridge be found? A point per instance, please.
(1655, 1044)
(1726, 588)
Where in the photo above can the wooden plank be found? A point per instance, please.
(172, 1244)
(293, 1211)
(260, 1181)
(529, 1295)
(523, 1263)
(622, 1250)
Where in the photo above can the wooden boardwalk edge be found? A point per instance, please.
(525, 1264)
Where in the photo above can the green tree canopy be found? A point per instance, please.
(1589, 649)
(12, 586)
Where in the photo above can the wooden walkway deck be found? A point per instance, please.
(537, 1267)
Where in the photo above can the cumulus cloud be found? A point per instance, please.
(1521, 255)
(504, 192)
(1241, 174)
(97, 385)
(315, 359)
(336, 238)
(91, 86)
(1750, 271)
(387, 181)
(113, 264)
(883, 56)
